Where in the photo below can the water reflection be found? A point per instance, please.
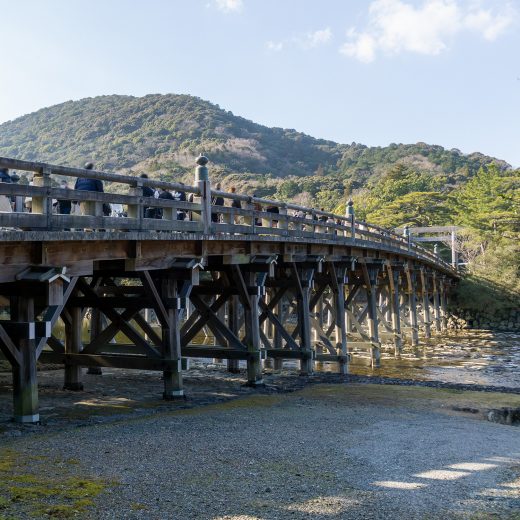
(469, 357)
(473, 357)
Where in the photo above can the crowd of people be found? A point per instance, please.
(70, 207)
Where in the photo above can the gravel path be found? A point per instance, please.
(323, 452)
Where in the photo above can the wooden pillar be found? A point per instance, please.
(73, 345)
(173, 387)
(436, 304)
(395, 310)
(444, 306)
(425, 304)
(304, 282)
(279, 312)
(25, 383)
(233, 324)
(370, 273)
(252, 328)
(338, 289)
(95, 329)
(412, 303)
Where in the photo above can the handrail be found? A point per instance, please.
(254, 216)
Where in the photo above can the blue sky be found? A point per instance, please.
(440, 71)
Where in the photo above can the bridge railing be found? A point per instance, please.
(229, 213)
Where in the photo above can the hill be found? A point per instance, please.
(163, 133)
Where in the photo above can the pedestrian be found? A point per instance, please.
(273, 209)
(5, 202)
(217, 200)
(235, 203)
(181, 197)
(89, 207)
(165, 195)
(64, 205)
(149, 212)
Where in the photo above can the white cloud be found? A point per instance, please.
(274, 46)
(307, 41)
(316, 38)
(228, 6)
(396, 26)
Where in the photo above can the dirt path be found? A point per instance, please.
(326, 452)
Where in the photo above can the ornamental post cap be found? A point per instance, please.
(202, 160)
(350, 202)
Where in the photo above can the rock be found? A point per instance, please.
(509, 416)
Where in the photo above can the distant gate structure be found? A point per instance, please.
(270, 280)
(444, 234)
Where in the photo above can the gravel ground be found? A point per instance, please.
(326, 451)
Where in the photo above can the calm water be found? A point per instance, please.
(472, 357)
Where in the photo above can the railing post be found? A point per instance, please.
(43, 205)
(454, 259)
(136, 211)
(283, 222)
(349, 213)
(203, 183)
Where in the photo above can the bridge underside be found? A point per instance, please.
(66, 298)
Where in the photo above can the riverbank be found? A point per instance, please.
(326, 451)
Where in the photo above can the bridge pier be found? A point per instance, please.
(338, 276)
(370, 275)
(252, 329)
(73, 345)
(425, 304)
(25, 384)
(436, 304)
(412, 304)
(171, 339)
(394, 305)
(303, 278)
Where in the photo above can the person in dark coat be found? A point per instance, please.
(5, 202)
(86, 184)
(4, 176)
(164, 194)
(273, 209)
(64, 206)
(181, 197)
(217, 200)
(149, 212)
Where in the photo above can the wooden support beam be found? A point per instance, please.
(217, 326)
(162, 313)
(303, 280)
(412, 304)
(252, 330)
(25, 381)
(172, 375)
(8, 348)
(395, 311)
(370, 273)
(338, 277)
(425, 304)
(291, 344)
(199, 317)
(233, 324)
(436, 303)
(73, 345)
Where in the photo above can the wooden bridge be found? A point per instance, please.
(267, 278)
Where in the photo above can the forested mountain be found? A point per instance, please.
(163, 134)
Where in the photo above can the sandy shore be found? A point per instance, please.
(325, 451)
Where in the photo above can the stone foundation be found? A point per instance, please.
(503, 320)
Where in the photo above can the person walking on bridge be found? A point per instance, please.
(5, 202)
(89, 207)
